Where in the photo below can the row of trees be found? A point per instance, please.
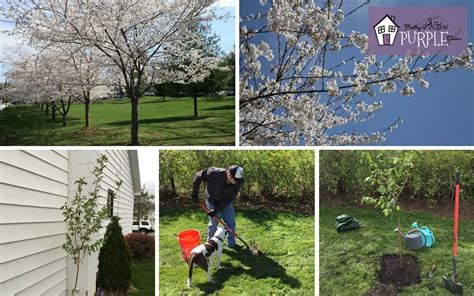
(82, 51)
(221, 79)
(270, 175)
(425, 175)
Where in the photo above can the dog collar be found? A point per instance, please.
(218, 238)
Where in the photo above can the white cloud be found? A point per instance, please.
(226, 3)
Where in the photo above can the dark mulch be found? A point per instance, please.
(381, 290)
(304, 206)
(441, 208)
(392, 273)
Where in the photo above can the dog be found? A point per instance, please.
(202, 255)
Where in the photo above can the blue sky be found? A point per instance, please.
(226, 28)
(443, 115)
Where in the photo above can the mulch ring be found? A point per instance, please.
(392, 273)
(381, 290)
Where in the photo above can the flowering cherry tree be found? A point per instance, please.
(57, 78)
(291, 90)
(139, 38)
(92, 73)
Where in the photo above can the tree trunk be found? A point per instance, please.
(42, 106)
(65, 107)
(173, 185)
(195, 106)
(134, 127)
(53, 111)
(47, 109)
(400, 245)
(77, 271)
(87, 103)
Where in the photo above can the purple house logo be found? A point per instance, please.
(422, 30)
(386, 30)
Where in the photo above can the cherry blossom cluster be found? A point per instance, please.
(303, 79)
(138, 37)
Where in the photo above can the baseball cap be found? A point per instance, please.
(237, 173)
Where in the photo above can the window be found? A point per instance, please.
(392, 29)
(135, 222)
(110, 202)
(145, 223)
(381, 29)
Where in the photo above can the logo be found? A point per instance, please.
(417, 30)
(386, 30)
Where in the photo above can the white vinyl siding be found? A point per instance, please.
(118, 168)
(33, 187)
(82, 163)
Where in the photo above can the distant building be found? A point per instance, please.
(33, 186)
(386, 30)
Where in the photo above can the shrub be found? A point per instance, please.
(269, 174)
(141, 246)
(115, 262)
(432, 178)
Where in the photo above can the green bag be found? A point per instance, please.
(346, 223)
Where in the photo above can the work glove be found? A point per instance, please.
(194, 198)
(212, 212)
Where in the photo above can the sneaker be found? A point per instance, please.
(235, 247)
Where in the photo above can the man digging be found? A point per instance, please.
(223, 187)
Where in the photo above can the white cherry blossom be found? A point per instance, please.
(292, 93)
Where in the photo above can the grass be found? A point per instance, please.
(160, 123)
(144, 278)
(286, 266)
(348, 261)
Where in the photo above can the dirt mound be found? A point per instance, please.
(393, 273)
(381, 290)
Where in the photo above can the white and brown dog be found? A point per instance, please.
(202, 255)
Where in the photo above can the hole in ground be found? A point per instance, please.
(393, 273)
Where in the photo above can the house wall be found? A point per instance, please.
(81, 164)
(33, 187)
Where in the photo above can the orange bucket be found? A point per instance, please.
(188, 239)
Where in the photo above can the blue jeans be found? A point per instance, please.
(228, 215)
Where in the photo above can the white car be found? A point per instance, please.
(142, 226)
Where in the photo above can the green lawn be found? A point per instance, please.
(285, 268)
(160, 123)
(144, 278)
(348, 261)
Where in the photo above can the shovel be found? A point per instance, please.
(253, 249)
(450, 282)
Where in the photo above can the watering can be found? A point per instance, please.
(430, 238)
(417, 238)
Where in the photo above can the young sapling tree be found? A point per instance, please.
(389, 174)
(84, 219)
